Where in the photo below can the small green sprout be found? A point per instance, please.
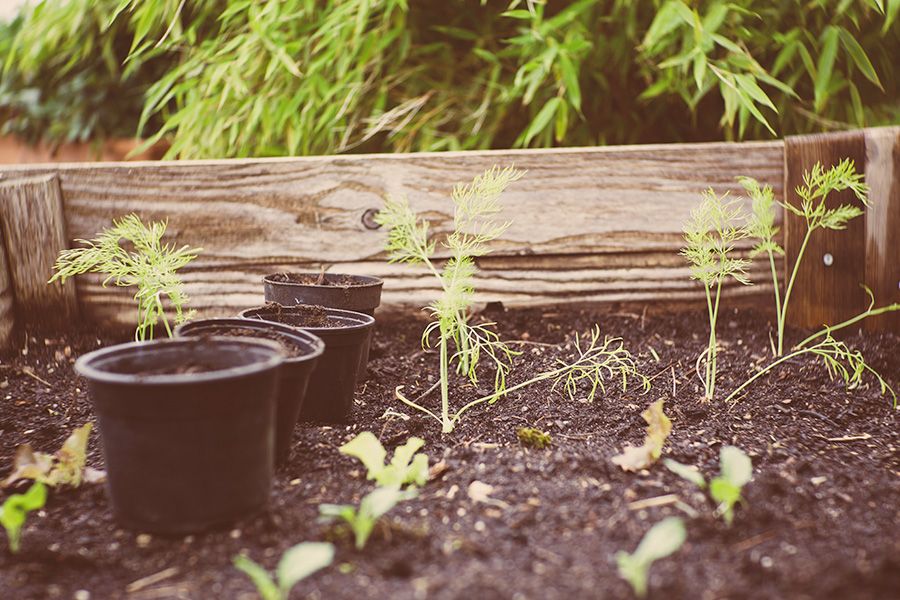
(533, 437)
(710, 237)
(146, 263)
(735, 471)
(662, 540)
(65, 467)
(818, 184)
(296, 564)
(372, 507)
(407, 467)
(16, 508)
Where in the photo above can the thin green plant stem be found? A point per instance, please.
(790, 287)
(872, 312)
(777, 291)
(446, 423)
(768, 368)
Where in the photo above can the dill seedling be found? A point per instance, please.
(476, 206)
(148, 264)
(710, 236)
(818, 184)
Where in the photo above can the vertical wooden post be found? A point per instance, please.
(836, 263)
(7, 301)
(33, 225)
(883, 222)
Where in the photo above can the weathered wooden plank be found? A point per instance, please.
(7, 300)
(883, 222)
(34, 232)
(826, 290)
(588, 224)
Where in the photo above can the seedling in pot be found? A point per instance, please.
(635, 458)
(296, 564)
(146, 263)
(407, 467)
(735, 471)
(15, 510)
(65, 467)
(710, 236)
(663, 539)
(476, 206)
(533, 437)
(373, 506)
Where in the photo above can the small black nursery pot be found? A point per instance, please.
(331, 290)
(300, 350)
(358, 293)
(187, 429)
(329, 397)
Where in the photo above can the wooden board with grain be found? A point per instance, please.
(33, 224)
(598, 224)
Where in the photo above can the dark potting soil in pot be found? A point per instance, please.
(341, 280)
(289, 347)
(301, 315)
(819, 521)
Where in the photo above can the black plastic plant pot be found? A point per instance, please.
(329, 397)
(187, 429)
(358, 293)
(300, 350)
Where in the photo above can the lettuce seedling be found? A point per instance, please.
(372, 507)
(148, 264)
(407, 467)
(16, 509)
(662, 540)
(65, 467)
(474, 227)
(635, 458)
(296, 564)
(710, 236)
(735, 471)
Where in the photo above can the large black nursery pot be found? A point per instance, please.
(187, 428)
(329, 397)
(358, 293)
(300, 351)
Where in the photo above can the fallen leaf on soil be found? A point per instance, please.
(66, 467)
(481, 492)
(635, 458)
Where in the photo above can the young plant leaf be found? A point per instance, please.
(372, 507)
(260, 577)
(658, 429)
(65, 467)
(301, 561)
(663, 539)
(406, 466)
(735, 471)
(687, 472)
(15, 510)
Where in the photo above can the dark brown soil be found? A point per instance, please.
(820, 518)
(289, 347)
(299, 315)
(324, 279)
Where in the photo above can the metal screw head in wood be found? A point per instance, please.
(828, 259)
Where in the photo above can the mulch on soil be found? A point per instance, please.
(820, 518)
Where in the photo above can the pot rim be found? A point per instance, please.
(366, 281)
(362, 320)
(86, 363)
(317, 344)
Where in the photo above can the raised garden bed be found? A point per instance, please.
(819, 519)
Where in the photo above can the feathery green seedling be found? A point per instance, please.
(407, 466)
(735, 471)
(533, 437)
(16, 508)
(296, 564)
(476, 206)
(818, 184)
(840, 361)
(662, 540)
(372, 507)
(147, 263)
(710, 236)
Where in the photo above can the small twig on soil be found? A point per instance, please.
(33, 375)
(143, 582)
(652, 502)
(751, 542)
(580, 437)
(848, 438)
(813, 413)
